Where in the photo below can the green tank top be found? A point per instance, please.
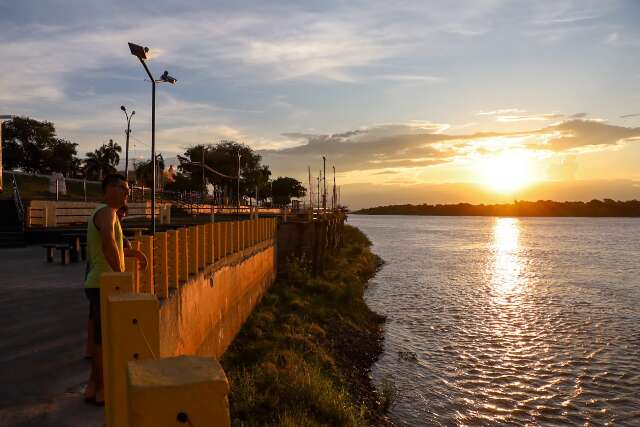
(97, 262)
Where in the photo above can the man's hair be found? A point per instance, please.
(112, 178)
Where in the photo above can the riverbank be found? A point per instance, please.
(303, 357)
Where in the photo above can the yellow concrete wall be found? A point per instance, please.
(206, 313)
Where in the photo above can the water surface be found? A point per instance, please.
(496, 321)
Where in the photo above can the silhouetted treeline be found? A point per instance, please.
(595, 208)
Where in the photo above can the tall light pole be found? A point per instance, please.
(238, 208)
(141, 53)
(128, 132)
(324, 193)
(333, 198)
(2, 119)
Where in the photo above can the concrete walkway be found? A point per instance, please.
(43, 320)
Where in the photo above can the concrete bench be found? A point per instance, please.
(65, 254)
(49, 248)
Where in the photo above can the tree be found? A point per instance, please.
(33, 146)
(223, 158)
(102, 161)
(144, 171)
(285, 188)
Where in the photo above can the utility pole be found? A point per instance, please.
(128, 132)
(333, 197)
(324, 177)
(319, 178)
(204, 187)
(310, 196)
(238, 208)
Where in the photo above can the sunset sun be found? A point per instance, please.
(507, 172)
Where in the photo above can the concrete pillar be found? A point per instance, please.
(202, 247)
(131, 264)
(134, 335)
(146, 278)
(193, 250)
(210, 255)
(172, 259)
(160, 265)
(110, 284)
(183, 390)
(183, 258)
(217, 241)
(228, 233)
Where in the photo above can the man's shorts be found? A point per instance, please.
(93, 294)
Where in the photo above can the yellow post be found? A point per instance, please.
(172, 259)
(146, 278)
(183, 246)
(183, 390)
(217, 241)
(242, 234)
(193, 250)
(228, 238)
(110, 284)
(233, 235)
(210, 255)
(134, 335)
(131, 266)
(202, 246)
(160, 267)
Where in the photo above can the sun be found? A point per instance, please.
(507, 172)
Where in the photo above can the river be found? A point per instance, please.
(518, 321)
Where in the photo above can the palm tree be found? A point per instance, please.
(103, 160)
(144, 170)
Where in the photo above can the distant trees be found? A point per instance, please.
(102, 161)
(594, 208)
(286, 188)
(32, 145)
(144, 171)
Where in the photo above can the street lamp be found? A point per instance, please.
(126, 154)
(2, 119)
(142, 54)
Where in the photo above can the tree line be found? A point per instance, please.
(540, 208)
(33, 146)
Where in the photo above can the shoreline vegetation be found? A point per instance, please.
(304, 356)
(541, 208)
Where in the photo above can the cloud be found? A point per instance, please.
(627, 116)
(527, 117)
(500, 111)
(416, 145)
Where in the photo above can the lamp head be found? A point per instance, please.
(139, 51)
(133, 112)
(165, 77)
(123, 108)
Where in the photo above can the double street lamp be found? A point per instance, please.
(126, 153)
(142, 54)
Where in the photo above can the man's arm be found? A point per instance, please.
(105, 219)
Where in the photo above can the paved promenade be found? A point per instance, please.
(43, 315)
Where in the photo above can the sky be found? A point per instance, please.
(412, 102)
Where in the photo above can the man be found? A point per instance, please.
(106, 254)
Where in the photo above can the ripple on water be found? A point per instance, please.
(509, 321)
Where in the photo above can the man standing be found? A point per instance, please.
(106, 254)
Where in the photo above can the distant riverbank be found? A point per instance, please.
(304, 356)
(541, 208)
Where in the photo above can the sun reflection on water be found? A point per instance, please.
(506, 276)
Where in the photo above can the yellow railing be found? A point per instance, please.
(142, 389)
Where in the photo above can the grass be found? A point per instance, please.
(35, 187)
(302, 357)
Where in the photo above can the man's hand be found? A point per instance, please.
(139, 256)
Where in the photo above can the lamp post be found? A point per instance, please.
(238, 208)
(141, 53)
(2, 119)
(126, 150)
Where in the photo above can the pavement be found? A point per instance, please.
(43, 332)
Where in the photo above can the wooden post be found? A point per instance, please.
(110, 284)
(146, 278)
(173, 274)
(183, 246)
(193, 250)
(160, 265)
(134, 335)
(183, 390)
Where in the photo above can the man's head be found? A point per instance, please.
(115, 190)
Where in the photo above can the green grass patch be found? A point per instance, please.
(302, 357)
